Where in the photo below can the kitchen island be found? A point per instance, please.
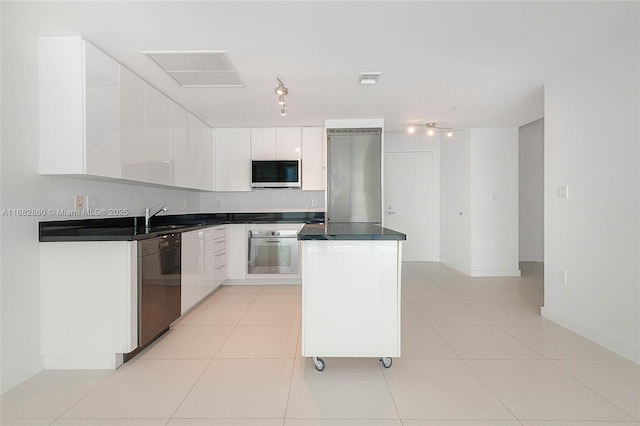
(350, 291)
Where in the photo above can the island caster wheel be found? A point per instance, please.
(386, 362)
(319, 363)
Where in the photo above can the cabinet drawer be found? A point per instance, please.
(220, 258)
(219, 232)
(219, 274)
(219, 244)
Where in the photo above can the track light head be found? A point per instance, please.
(431, 129)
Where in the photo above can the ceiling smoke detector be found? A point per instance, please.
(203, 68)
(369, 77)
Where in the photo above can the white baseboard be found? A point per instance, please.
(495, 273)
(253, 281)
(627, 350)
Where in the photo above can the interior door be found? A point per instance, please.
(409, 202)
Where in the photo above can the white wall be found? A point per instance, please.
(479, 201)
(455, 201)
(591, 144)
(403, 142)
(494, 202)
(531, 192)
(22, 187)
(262, 201)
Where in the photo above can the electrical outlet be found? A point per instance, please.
(81, 202)
(314, 203)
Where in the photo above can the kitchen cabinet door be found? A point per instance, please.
(193, 268)
(194, 150)
(233, 159)
(158, 137)
(313, 159)
(179, 146)
(102, 113)
(132, 126)
(201, 168)
(215, 248)
(289, 143)
(219, 255)
(205, 162)
(79, 109)
(237, 252)
(263, 143)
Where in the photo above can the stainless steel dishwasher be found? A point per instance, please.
(158, 286)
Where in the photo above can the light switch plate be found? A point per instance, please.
(562, 276)
(562, 191)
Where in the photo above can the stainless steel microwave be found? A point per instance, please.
(275, 174)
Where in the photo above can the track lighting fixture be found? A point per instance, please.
(281, 91)
(431, 129)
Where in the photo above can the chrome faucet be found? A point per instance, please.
(148, 215)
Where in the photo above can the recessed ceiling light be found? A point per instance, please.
(369, 77)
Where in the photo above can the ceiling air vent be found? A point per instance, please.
(197, 68)
(357, 131)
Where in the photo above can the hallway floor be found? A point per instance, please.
(475, 351)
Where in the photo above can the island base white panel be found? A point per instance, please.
(350, 298)
(89, 303)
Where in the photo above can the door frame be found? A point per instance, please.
(402, 143)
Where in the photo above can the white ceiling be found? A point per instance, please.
(487, 59)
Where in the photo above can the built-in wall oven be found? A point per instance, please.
(273, 251)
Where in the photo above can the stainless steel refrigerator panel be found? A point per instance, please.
(354, 190)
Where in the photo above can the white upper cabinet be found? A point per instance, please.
(313, 159)
(79, 116)
(276, 143)
(132, 126)
(158, 137)
(206, 164)
(102, 113)
(179, 146)
(97, 118)
(201, 154)
(263, 143)
(233, 159)
(289, 143)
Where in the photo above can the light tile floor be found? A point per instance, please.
(475, 352)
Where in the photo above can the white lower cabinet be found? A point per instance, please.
(203, 264)
(341, 277)
(237, 262)
(217, 255)
(193, 271)
(89, 303)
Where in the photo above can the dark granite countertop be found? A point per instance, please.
(348, 231)
(132, 228)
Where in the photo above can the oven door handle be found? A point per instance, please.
(271, 241)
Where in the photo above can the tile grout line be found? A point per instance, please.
(293, 368)
(60, 417)
(469, 367)
(491, 390)
(386, 382)
(210, 362)
(587, 386)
